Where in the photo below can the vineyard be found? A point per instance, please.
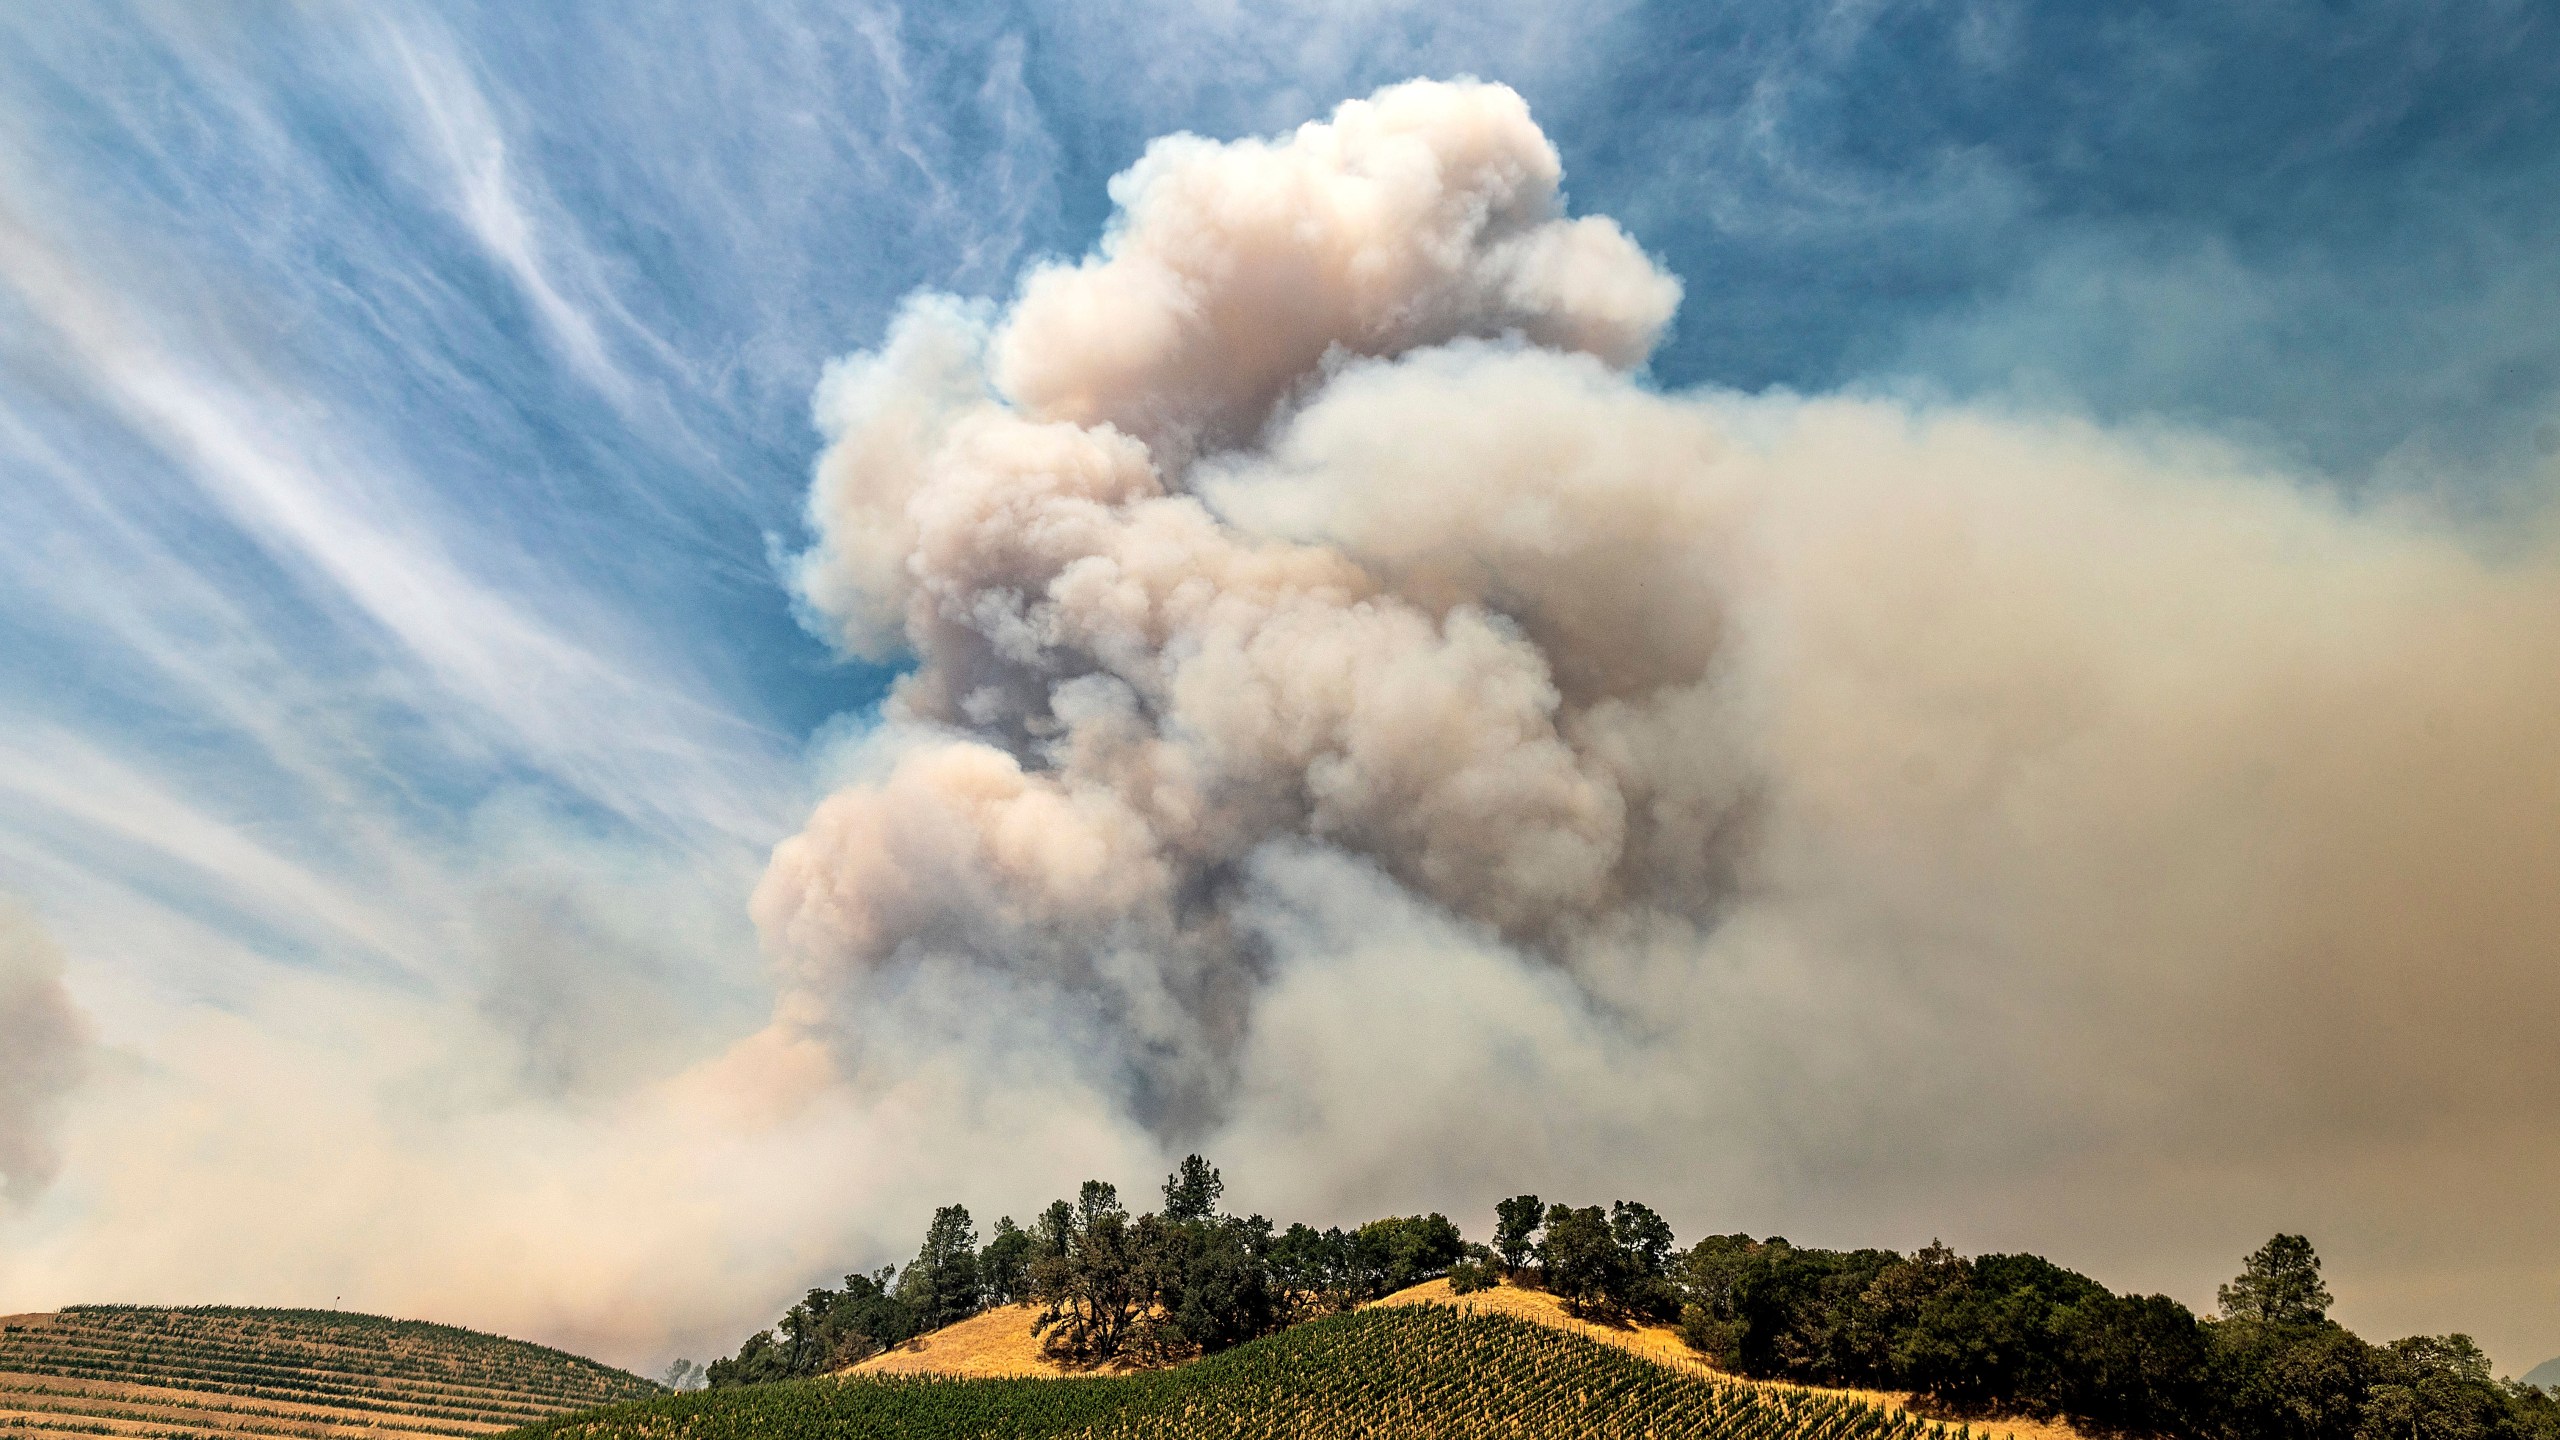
(1419, 1372)
(206, 1372)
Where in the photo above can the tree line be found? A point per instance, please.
(1981, 1336)
(1183, 1280)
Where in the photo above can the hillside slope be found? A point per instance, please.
(216, 1371)
(1662, 1345)
(1421, 1371)
(995, 1345)
(999, 1345)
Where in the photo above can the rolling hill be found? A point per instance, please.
(1428, 1372)
(215, 1371)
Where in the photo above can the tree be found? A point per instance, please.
(757, 1362)
(1796, 1312)
(942, 1287)
(2434, 1387)
(1056, 1232)
(1515, 1230)
(1888, 1311)
(1643, 1235)
(1998, 1340)
(1208, 1284)
(1475, 1272)
(683, 1375)
(2279, 1284)
(1192, 1192)
(1311, 1271)
(1004, 1266)
(2286, 1381)
(1404, 1250)
(2136, 1363)
(1091, 1287)
(1644, 1240)
(1581, 1260)
(1707, 1276)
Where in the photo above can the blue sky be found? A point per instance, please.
(404, 411)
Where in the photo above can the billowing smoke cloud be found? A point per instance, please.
(1339, 676)
(43, 1051)
(1153, 693)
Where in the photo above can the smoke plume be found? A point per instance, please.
(1324, 511)
(1339, 676)
(43, 1048)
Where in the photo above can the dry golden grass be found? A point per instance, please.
(1663, 1345)
(997, 1345)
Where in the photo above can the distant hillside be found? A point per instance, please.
(1427, 1372)
(214, 1371)
(2546, 1374)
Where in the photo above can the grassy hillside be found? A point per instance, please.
(1421, 1371)
(203, 1372)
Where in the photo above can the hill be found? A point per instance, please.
(215, 1371)
(2546, 1374)
(1662, 1345)
(999, 1344)
(996, 1344)
(1429, 1372)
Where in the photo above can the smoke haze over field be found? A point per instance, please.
(42, 1040)
(1313, 675)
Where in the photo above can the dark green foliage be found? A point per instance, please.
(1616, 1265)
(2437, 1386)
(827, 1330)
(2302, 1381)
(1475, 1273)
(1798, 1312)
(943, 1286)
(2136, 1363)
(1406, 1250)
(1645, 1241)
(1192, 1192)
(2279, 1284)
(2017, 1334)
(1004, 1266)
(1088, 1280)
(1579, 1259)
(1208, 1282)
(1057, 1229)
(1310, 1271)
(1325, 1272)
(1515, 1230)
(1412, 1372)
(2533, 1410)
(1708, 1275)
(1643, 1235)
(1999, 1333)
